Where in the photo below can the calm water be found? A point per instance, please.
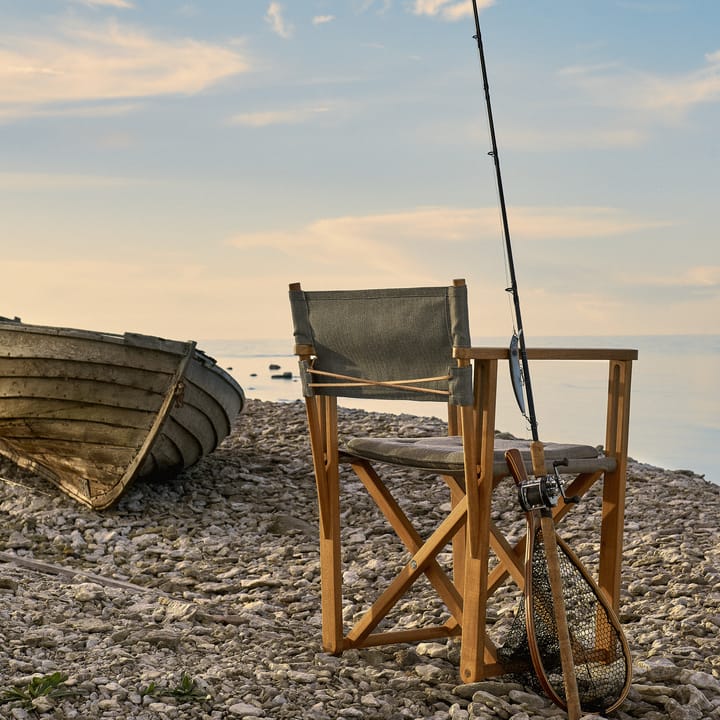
(675, 406)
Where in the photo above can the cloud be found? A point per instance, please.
(292, 116)
(34, 182)
(410, 238)
(336, 242)
(586, 138)
(611, 85)
(188, 10)
(704, 276)
(166, 291)
(586, 70)
(699, 278)
(427, 245)
(448, 9)
(109, 61)
(121, 4)
(567, 223)
(274, 16)
(649, 7)
(365, 5)
(452, 224)
(322, 19)
(633, 104)
(13, 113)
(128, 295)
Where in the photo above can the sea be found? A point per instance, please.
(674, 408)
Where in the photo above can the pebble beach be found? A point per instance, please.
(198, 597)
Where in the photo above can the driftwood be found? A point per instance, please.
(53, 569)
(72, 573)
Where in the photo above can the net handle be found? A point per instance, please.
(572, 695)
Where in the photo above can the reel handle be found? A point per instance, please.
(537, 453)
(567, 499)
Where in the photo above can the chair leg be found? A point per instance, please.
(457, 493)
(616, 444)
(321, 413)
(459, 540)
(478, 491)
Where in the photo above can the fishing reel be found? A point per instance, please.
(544, 491)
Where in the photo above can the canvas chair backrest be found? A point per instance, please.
(393, 336)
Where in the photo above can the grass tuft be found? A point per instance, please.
(50, 686)
(186, 690)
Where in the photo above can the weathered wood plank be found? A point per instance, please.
(32, 368)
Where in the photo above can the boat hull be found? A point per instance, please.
(93, 412)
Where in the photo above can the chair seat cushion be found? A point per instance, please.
(445, 454)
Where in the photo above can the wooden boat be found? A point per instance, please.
(93, 412)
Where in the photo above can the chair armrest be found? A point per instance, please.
(620, 362)
(503, 353)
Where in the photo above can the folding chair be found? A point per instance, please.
(414, 344)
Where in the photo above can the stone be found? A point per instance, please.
(8, 585)
(245, 710)
(215, 613)
(87, 592)
(433, 650)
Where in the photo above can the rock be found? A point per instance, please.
(458, 713)
(216, 610)
(8, 585)
(433, 650)
(87, 592)
(245, 710)
(17, 541)
(43, 704)
(162, 638)
(430, 672)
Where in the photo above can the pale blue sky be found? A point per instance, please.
(169, 167)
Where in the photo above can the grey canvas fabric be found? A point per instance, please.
(387, 335)
(445, 454)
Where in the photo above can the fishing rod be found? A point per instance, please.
(546, 564)
(519, 369)
(556, 586)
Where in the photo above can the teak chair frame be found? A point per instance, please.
(468, 526)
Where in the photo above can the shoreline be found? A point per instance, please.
(216, 576)
(677, 371)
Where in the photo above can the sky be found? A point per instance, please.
(170, 166)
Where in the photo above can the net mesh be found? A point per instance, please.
(601, 664)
